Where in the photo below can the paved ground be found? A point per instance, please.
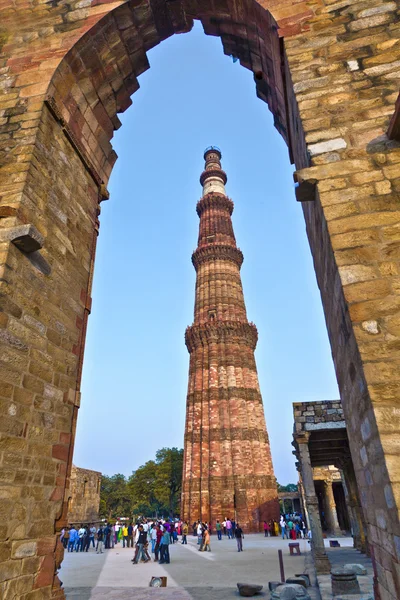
(192, 575)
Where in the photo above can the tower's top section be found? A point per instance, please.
(213, 178)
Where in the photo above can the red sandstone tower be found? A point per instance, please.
(227, 469)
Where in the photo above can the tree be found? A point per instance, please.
(290, 487)
(142, 485)
(154, 488)
(115, 497)
(168, 483)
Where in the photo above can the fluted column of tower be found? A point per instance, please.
(227, 468)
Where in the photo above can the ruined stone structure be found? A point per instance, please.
(322, 448)
(227, 466)
(328, 70)
(331, 494)
(84, 495)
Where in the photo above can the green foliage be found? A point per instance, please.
(153, 489)
(290, 487)
(115, 498)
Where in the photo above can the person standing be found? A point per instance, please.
(218, 530)
(229, 528)
(239, 537)
(92, 534)
(81, 533)
(224, 526)
(282, 524)
(106, 536)
(100, 537)
(266, 529)
(153, 537)
(73, 539)
(117, 528)
(164, 548)
(125, 536)
(130, 535)
(199, 533)
(185, 531)
(158, 542)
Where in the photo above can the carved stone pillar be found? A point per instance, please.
(330, 507)
(321, 560)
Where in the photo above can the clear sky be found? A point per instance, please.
(136, 363)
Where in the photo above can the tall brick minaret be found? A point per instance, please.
(227, 470)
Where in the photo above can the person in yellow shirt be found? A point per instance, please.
(125, 536)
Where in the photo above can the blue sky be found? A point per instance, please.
(136, 363)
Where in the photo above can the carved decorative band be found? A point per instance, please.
(246, 482)
(220, 393)
(217, 252)
(214, 200)
(224, 433)
(213, 173)
(221, 331)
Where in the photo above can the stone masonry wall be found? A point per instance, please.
(58, 110)
(84, 495)
(307, 414)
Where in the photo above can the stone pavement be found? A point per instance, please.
(339, 557)
(192, 575)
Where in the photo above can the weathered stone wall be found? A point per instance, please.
(342, 58)
(84, 495)
(317, 415)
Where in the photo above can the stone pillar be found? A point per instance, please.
(321, 560)
(355, 528)
(303, 501)
(330, 507)
(360, 540)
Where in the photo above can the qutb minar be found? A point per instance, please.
(227, 469)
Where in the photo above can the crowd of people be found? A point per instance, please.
(148, 537)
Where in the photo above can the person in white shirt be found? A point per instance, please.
(199, 533)
(81, 533)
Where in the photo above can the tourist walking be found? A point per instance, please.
(142, 540)
(206, 542)
(239, 537)
(224, 526)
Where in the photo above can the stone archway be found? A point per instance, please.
(67, 70)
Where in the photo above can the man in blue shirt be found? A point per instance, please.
(164, 548)
(73, 538)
